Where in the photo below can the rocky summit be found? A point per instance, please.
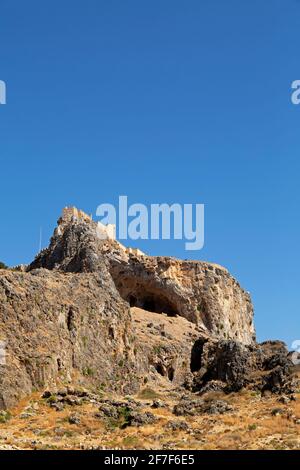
(91, 322)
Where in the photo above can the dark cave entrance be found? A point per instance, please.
(149, 304)
(168, 372)
(171, 373)
(132, 301)
(152, 302)
(138, 292)
(196, 355)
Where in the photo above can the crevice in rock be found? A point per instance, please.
(196, 355)
(111, 332)
(171, 373)
(160, 369)
(205, 314)
(132, 300)
(70, 319)
(167, 372)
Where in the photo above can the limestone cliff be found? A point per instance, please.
(204, 293)
(63, 327)
(93, 313)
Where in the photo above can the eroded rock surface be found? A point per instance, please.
(89, 312)
(58, 325)
(230, 366)
(203, 293)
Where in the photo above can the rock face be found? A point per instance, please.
(230, 366)
(163, 346)
(62, 326)
(203, 293)
(93, 313)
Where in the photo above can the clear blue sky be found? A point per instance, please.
(165, 101)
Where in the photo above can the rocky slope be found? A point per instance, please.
(62, 326)
(204, 293)
(165, 418)
(90, 313)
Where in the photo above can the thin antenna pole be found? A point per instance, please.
(41, 234)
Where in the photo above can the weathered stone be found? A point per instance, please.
(117, 319)
(58, 406)
(237, 365)
(74, 419)
(204, 293)
(213, 407)
(158, 404)
(188, 407)
(193, 407)
(177, 426)
(54, 324)
(137, 418)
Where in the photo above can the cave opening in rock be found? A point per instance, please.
(70, 319)
(152, 302)
(171, 373)
(160, 369)
(168, 372)
(138, 292)
(196, 355)
(149, 305)
(132, 301)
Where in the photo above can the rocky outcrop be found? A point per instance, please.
(90, 312)
(230, 366)
(204, 293)
(63, 327)
(163, 346)
(198, 406)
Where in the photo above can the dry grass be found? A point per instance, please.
(251, 425)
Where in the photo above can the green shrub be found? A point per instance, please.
(157, 349)
(88, 371)
(52, 399)
(4, 416)
(252, 427)
(124, 413)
